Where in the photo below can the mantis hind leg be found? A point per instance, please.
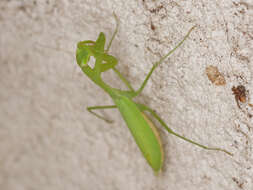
(153, 113)
(101, 107)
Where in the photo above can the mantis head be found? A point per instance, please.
(104, 61)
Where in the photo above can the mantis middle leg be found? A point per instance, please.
(101, 107)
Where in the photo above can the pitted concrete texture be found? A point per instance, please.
(49, 140)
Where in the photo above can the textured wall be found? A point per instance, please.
(49, 141)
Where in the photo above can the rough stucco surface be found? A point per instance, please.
(49, 140)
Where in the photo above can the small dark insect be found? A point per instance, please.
(240, 94)
(152, 26)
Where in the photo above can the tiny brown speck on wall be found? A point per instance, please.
(215, 76)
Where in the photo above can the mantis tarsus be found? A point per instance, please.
(141, 127)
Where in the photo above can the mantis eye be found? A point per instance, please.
(82, 57)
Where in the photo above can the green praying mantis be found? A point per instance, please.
(141, 127)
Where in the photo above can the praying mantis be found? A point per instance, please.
(141, 127)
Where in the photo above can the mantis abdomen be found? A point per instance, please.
(144, 132)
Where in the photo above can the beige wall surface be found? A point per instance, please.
(49, 141)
